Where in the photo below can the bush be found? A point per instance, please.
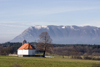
(96, 58)
(88, 58)
(76, 57)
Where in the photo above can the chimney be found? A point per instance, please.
(24, 41)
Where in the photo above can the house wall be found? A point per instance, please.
(26, 52)
(31, 52)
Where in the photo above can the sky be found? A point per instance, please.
(18, 15)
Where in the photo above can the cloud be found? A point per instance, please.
(19, 24)
(43, 11)
(58, 10)
(13, 24)
(24, 25)
(92, 23)
(64, 9)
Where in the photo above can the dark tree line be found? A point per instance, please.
(9, 48)
(5, 50)
(75, 50)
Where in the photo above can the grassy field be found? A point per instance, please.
(8, 61)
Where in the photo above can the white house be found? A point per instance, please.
(26, 50)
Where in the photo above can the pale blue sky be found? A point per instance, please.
(18, 15)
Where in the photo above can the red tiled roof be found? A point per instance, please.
(25, 46)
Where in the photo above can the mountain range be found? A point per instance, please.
(62, 34)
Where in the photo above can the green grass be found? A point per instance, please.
(8, 61)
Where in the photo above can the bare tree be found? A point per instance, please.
(44, 42)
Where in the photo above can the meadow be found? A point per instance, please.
(9, 61)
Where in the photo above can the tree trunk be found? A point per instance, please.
(43, 53)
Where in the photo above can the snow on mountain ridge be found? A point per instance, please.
(71, 27)
(63, 27)
(39, 27)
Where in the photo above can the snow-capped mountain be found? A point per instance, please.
(62, 34)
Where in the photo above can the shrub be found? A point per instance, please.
(96, 58)
(88, 58)
(76, 57)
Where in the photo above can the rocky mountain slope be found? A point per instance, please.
(62, 34)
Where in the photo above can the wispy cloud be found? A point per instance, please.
(12, 24)
(44, 11)
(92, 23)
(64, 9)
(57, 10)
(19, 24)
